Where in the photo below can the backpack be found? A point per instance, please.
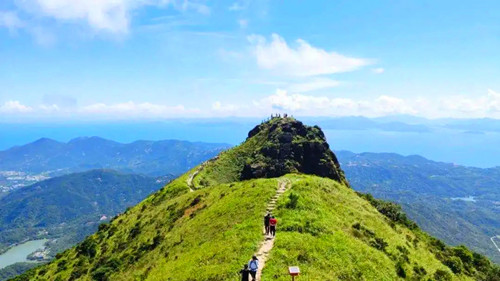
(253, 265)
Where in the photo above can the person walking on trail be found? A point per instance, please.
(266, 222)
(272, 223)
(254, 266)
(245, 273)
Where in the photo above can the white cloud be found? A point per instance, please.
(379, 70)
(10, 20)
(13, 106)
(300, 104)
(132, 109)
(444, 107)
(313, 85)
(304, 60)
(112, 16)
(106, 15)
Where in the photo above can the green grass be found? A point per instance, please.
(330, 232)
(230, 164)
(318, 236)
(324, 227)
(203, 235)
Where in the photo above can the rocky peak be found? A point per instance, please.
(287, 146)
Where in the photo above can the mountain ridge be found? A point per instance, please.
(85, 153)
(208, 232)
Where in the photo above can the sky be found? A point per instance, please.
(161, 59)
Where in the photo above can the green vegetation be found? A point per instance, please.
(324, 227)
(173, 235)
(275, 148)
(16, 269)
(334, 234)
(69, 207)
(436, 195)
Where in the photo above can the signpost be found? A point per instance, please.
(293, 271)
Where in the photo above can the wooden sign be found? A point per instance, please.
(294, 270)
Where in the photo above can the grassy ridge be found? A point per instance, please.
(172, 235)
(319, 235)
(324, 227)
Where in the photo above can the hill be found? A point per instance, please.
(455, 203)
(69, 207)
(47, 158)
(208, 222)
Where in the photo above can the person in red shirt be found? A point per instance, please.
(272, 225)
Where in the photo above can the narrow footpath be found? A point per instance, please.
(190, 178)
(268, 243)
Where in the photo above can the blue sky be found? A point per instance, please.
(156, 59)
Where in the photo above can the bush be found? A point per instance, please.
(419, 270)
(400, 270)
(455, 264)
(464, 254)
(293, 200)
(392, 211)
(441, 275)
(103, 227)
(101, 274)
(87, 248)
(379, 244)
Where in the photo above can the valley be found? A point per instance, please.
(456, 203)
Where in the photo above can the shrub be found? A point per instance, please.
(103, 227)
(293, 200)
(101, 274)
(135, 230)
(419, 270)
(464, 254)
(455, 264)
(400, 270)
(391, 210)
(441, 275)
(87, 248)
(379, 244)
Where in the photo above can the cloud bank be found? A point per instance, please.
(486, 106)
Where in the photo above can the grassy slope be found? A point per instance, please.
(319, 237)
(199, 239)
(229, 165)
(210, 238)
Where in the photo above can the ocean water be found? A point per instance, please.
(477, 150)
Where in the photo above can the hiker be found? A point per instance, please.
(254, 266)
(266, 222)
(272, 222)
(245, 273)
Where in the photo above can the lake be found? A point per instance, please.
(20, 252)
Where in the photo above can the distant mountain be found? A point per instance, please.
(71, 206)
(363, 123)
(209, 222)
(458, 204)
(46, 158)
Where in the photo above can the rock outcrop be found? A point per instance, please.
(288, 146)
